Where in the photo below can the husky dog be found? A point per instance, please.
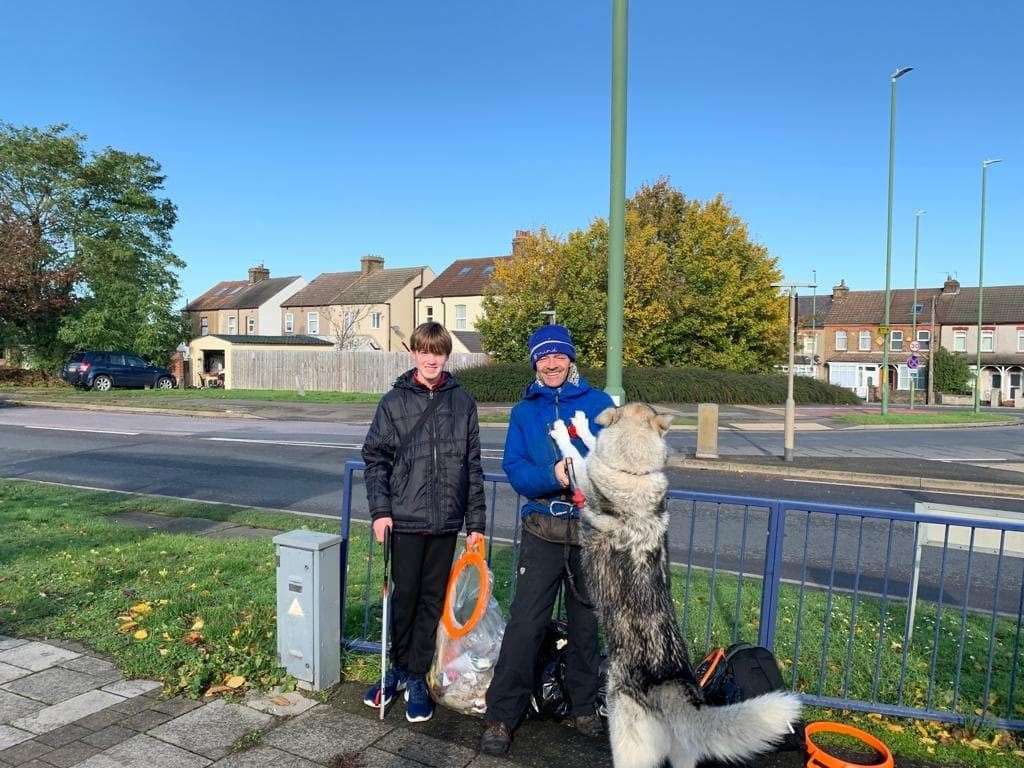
(560, 433)
(656, 711)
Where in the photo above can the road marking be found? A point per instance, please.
(899, 488)
(81, 429)
(347, 446)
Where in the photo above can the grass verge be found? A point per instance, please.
(944, 417)
(197, 613)
(184, 398)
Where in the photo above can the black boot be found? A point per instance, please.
(496, 739)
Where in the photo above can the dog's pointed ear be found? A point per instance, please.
(607, 417)
(661, 422)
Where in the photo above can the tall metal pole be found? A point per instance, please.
(617, 202)
(888, 235)
(931, 358)
(913, 309)
(790, 441)
(981, 283)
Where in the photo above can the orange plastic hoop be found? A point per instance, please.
(713, 659)
(819, 758)
(473, 557)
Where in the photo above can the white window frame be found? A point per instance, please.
(845, 345)
(924, 339)
(313, 323)
(959, 341)
(350, 319)
(864, 341)
(250, 325)
(204, 326)
(460, 317)
(1020, 340)
(232, 326)
(375, 319)
(430, 313)
(808, 344)
(990, 335)
(895, 336)
(289, 322)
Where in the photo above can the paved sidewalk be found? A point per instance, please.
(64, 707)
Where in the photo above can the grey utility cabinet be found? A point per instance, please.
(308, 597)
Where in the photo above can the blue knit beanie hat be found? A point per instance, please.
(549, 340)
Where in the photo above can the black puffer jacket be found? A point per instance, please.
(437, 482)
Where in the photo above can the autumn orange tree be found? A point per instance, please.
(698, 291)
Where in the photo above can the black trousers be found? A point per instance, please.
(541, 573)
(420, 567)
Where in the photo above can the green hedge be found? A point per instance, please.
(505, 382)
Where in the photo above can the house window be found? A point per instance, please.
(204, 326)
(430, 314)
(460, 317)
(959, 341)
(250, 326)
(997, 381)
(840, 341)
(924, 340)
(350, 319)
(864, 341)
(809, 345)
(289, 322)
(1020, 341)
(488, 270)
(313, 323)
(375, 320)
(232, 326)
(988, 340)
(918, 309)
(465, 271)
(895, 341)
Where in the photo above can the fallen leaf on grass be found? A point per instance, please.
(198, 624)
(163, 651)
(141, 634)
(281, 701)
(894, 728)
(143, 609)
(235, 681)
(127, 627)
(193, 638)
(215, 689)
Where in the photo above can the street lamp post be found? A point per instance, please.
(617, 202)
(888, 235)
(913, 310)
(981, 282)
(789, 438)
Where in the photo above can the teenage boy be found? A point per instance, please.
(424, 480)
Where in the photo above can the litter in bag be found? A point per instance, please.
(469, 637)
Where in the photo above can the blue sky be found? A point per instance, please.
(306, 134)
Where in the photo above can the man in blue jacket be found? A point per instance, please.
(549, 552)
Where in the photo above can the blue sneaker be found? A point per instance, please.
(394, 681)
(419, 706)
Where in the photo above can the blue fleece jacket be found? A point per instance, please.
(530, 452)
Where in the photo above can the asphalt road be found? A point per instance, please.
(298, 466)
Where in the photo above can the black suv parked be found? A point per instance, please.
(105, 370)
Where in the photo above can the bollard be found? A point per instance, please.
(308, 594)
(707, 431)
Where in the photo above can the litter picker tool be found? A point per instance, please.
(385, 621)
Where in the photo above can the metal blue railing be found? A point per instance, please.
(830, 588)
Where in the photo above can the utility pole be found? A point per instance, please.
(789, 442)
(931, 359)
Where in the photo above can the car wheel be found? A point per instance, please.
(102, 383)
(165, 383)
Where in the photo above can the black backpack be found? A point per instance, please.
(739, 672)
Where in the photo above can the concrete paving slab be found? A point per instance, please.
(378, 758)
(62, 736)
(243, 532)
(164, 524)
(71, 754)
(109, 736)
(212, 730)
(6, 643)
(425, 749)
(9, 672)
(145, 752)
(10, 736)
(132, 688)
(92, 666)
(53, 717)
(36, 656)
(25, 752)
(324, 733)
(267, 757)
(13, 706)
(52, 685)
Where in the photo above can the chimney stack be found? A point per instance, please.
(519, 241)
(841, 290)
(370, 264)
(258, 274)
(951, 286)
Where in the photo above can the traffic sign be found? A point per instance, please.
(915, 346)
(913, 362)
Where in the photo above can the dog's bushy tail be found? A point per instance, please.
(739, 731)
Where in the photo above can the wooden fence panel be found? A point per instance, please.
(317, 370)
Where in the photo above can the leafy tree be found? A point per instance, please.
(951, 372)
(697, 290)
(93, 235)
